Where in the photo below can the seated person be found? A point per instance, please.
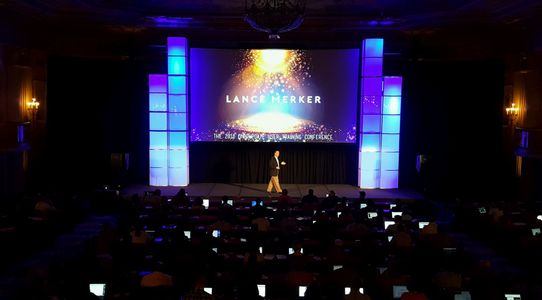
(414, 292)
(297, 260)
(310, 198)
(429, 229)
(154, 200)
(181, 199)
(44, 208)
(156, 278)
(139, 236)
(221, 224)
(285, 201)
(197, 292)
(224, 203)
(198, 204)
(355, 294)
(261, 222)
(330, 201)
(402, 239)
(259, 208)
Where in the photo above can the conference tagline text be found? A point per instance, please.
(272, 137)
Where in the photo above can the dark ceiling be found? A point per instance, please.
(414, 28)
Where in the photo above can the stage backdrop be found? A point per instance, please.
(248, 162)
(274, 95)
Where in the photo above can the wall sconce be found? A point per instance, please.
(512, 112)
(33, 107)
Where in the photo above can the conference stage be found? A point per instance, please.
(253, 190)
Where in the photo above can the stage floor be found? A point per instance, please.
(259, 190)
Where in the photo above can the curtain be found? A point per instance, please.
(248, 163)
(19, 93)
(520, 96)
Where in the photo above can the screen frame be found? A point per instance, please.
(286, 47)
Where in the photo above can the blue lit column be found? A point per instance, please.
(168, 121)
(379, 120)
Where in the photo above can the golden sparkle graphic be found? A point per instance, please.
(271, 122)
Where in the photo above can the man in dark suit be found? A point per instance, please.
(274, 167)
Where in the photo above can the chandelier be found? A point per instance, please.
(274, 16)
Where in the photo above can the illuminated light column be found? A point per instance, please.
(391, 128)
(168, 120)
(379, 120)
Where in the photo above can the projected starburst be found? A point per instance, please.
(273, 71)
(270, 123)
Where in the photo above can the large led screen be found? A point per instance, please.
(273, 95)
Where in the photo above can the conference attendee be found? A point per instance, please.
(197, 292)
(138, 236)
(361, 199)
(153, 199)
(285, 201)
(429, 229)
(297, 260)
(310, 198)
(261, 223)
(258, 208)
(181, 199)
(274, 167)
(198, 204)
(156, 278)
(44, 208)
(330, 201)
(224, 203)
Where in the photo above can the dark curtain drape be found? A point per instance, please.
(248, 163)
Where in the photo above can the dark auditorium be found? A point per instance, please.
(270, 149)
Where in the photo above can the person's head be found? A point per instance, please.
(331, 193)
(224, 200)
(285, 192)
(198, 201)
(277, 153)
(182, 192)
(311, 192)
(157, 192)
(362, 195)
(297, 247)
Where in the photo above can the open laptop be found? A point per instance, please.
(291, 251)
(301, 291)
(261, 290)
(97, 289)
(388, 223)
(464, 295)
(348, 290)
(399, 290)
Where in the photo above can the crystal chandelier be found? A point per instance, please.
(274, 16)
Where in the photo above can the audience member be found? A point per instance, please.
(330, 201)
(181, 198)
(310, 198)
(197, 292)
